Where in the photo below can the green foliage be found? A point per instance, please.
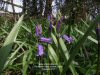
(18, 52)
(80, 43)
(7, 46)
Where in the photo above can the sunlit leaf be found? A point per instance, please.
(7, 47)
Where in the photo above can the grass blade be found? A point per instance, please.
(7, 47)
(53, 57)
(13, 55)
(66, 54)
(54, 39)
(89, 37)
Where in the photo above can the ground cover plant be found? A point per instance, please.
(41, 47)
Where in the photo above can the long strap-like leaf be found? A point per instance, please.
(7, 47)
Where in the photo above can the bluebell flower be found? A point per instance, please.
(59, 24)
(98, 31)
(40, 50)
(46, 40)
(38, 30)
(50, 27)
(49, 17)
(69, 39)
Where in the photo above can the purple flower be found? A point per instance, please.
(38, 30)
(58, 26)
(49, 17)
(46, 40)
(98, 31)
(50, 27)
(59, 23)
(40, 50)
(69, 39)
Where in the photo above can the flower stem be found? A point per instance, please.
(98, 59)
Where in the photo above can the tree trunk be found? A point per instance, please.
(24, 5)
(41, 7)
(48, 8)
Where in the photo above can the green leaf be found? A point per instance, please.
(13, 55)
(53, 54)
(53, 57)
(27, 29)
(64, 30)
(26, 60)
(66, 54)
(25, 63)
(87, 25)
(89, 37)
(7, 47)
(54, 39)
(91, 70)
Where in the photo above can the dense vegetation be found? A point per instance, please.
(19, 47)
(37, 44)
